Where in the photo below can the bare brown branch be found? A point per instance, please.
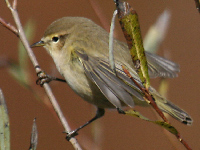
(148, 96)
(149, 99)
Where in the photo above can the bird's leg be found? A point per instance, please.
(45, 78)
(100, 112)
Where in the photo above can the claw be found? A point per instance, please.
(43, 78)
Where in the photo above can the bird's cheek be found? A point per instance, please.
(48, 49)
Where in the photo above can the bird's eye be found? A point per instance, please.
(55, 39)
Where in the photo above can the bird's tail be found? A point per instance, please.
(173, 110)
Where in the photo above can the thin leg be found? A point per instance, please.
(58, 79)
(100, 112)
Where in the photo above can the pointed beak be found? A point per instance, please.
(38, 44)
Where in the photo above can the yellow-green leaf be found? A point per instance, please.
(165, 125)
(128, 19)
(4, 124)
(19, 71)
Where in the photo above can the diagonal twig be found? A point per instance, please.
(9, 27)
(148, 96)
(150, 100)
(20, 33)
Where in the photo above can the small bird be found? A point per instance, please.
(80, 50)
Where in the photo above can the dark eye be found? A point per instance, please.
(55, 39)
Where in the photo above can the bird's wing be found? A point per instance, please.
(121, 88)
(113, 87)
(161, 67)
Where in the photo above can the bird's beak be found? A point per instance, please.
(38, 44)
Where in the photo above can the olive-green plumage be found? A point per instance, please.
(79, 48)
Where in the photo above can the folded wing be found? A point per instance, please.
(113, 88)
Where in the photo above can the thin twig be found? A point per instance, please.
(148, 96)
(32, 57)
(9, 26)
(183, 141)
(150, 100)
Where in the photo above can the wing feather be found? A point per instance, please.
(113, 87)
(161, 67)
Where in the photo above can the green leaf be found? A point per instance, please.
(29, 29)
(18, 74)
(163, 87)
(165, 125)
(34, 136)
(157, 32)
(4, 124)
(20, 71)
(128, 19)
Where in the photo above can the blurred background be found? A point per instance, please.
(113, 131)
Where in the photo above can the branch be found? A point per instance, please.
(148, 96)
(128, 19)
(150, 100)
(20, 33)
(9, 27)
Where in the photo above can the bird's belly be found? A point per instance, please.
(84, 87)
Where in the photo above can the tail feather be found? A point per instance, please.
(171, 109)
(175, 112)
